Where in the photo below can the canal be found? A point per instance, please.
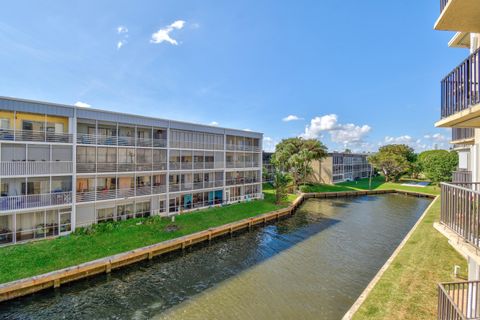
(313, 265)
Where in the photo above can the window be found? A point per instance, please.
(61, 153)
(4, 124)
(142, 209)
(13, 152)
(61, 184)
(219, 163)
(209, 159)
(29, 125)
(174, 159)
(38, 153)
(125, 211)
(105, 214)
(186, 158)
(198, 157)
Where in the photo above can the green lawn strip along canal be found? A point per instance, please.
(408, 288)
(35, 258)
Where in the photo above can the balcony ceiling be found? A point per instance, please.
(460, 40)
(460, 15)
(468, 118)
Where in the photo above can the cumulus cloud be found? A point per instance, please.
(82, 104)
(291, 118)
(436, 137)
(214, 123)
(429, 142)
(164, 33)
(347, 134)
(269, 144)
(120, 44)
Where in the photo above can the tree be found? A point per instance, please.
(280, 182)
(393, 160)
(438, 165)
(294, 155)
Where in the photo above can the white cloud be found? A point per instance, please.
(291, 118)
(120, 44)
(214, 123)
(436, 137)
(164, 33)
(350, 135)
(429, 142)
(82, 104)
(269, 144)
(122, 29)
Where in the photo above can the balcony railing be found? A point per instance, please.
(462, 133)
(460, 89)
(87, 196)
(443, 4)
(119, 167)
(462, 176)
(459, 300)
(83, 138)
(8, 203)
(31, 168)
(36, 136)
(460, 210)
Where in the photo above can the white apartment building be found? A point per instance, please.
(460, 110)
(63, 167)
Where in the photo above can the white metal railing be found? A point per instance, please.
(159, 189)
(30, 168)
(37, 136)
(8, 203)
(84, 138)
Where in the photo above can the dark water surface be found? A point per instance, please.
(311, 266)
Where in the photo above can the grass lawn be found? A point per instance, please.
(34, 258)
(408, 288)
(378, 183)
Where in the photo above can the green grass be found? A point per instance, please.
(408, 288)
(34, 258)
(378, 183)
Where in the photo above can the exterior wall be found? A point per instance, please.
(115, 167)
(340, 167)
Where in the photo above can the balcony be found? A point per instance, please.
(460, 95)
(462, 176)
(9, 203)
(459, 300)
(459, 15)
(32, 168)
(460, 212)
(463, 136)
(83, 138)
(35, 136)
(110, 194)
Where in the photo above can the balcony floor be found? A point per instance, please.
(460, 15)
(468, 118)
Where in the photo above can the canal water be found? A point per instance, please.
(313, 265)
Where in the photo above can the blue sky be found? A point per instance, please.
(354, 73)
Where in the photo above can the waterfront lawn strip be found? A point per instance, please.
(408, 288)
(34, 258)
(378, 183)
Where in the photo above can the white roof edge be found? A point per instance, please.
(124, 113)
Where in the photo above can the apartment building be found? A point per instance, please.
(460, 110)
(63, 167)
(339, 167)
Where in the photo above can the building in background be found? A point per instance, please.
(460, 110)
(63, 167)
(339, 167)
(268, 167)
